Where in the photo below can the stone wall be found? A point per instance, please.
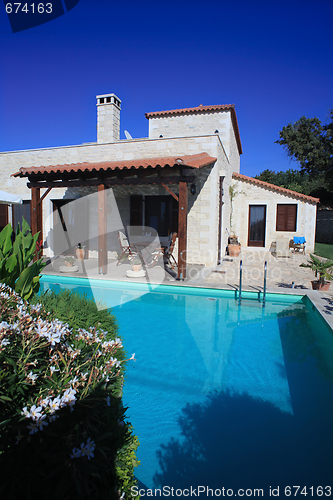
(324, 232)
(249, 193)
(193, 124)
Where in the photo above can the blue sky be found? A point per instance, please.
(273, 60)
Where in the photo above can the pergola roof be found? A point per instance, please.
(193, 161)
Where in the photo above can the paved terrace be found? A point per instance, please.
(283, 276)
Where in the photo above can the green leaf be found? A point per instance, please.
(25, 226)
(4, 422)
(5, 398)
(23, 285)
(11, 263)
(5, 239)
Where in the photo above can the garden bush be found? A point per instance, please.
(63, 429)
(17, 269)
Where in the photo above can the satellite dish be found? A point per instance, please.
(127, 135)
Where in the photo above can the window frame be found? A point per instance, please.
(282, 219)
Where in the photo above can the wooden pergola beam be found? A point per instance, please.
(113, 182)
(44, 195)
(182, 229)
(36, 215)
(170, 191)
(102, 230)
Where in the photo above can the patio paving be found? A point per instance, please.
(283, 275)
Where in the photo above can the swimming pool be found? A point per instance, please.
(222, 395)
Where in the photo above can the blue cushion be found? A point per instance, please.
(299, 240)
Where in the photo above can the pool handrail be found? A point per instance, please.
(240, 282)
(265, 279)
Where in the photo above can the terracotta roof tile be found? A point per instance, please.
(276, 188)
(195, 161)
(199, 109)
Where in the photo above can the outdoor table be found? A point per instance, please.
(145, 246)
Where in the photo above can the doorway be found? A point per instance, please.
(157, 212)
(257, 225)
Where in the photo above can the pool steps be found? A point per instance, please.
(240, 284)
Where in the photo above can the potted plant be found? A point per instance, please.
(325, 270)
(80, 250)
(69, 261)
(136, 263)
(234, 247)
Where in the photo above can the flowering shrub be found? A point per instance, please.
(62, 427)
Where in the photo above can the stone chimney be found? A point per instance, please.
(108, 118)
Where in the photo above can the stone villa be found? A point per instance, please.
(185, 178)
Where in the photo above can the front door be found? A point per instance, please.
(257, 225)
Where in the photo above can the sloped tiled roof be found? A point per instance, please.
(195, 161)
(203, 109)
(217, 107)
(282, 190)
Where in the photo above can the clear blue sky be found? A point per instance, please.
(273, 60)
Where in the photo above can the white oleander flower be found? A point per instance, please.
(35, 412)
(45, 402)
(33, 377)
(68, 398)
(54, 404)
(25, 412)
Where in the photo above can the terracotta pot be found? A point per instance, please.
(136, 267)
(79, 253)
(234, 250)
(322, 287)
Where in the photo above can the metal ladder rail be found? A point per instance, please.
(240, 282)
(265, 278)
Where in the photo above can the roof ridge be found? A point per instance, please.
(199, 108)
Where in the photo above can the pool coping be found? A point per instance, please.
(322, 301)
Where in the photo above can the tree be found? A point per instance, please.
(311, 144)
(301, 182)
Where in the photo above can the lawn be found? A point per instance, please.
(324, 250)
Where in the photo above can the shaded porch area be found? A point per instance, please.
(174, 175)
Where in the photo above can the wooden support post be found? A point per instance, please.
(102, 228)
(182, 230)
(35, 213)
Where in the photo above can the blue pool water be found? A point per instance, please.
(222, 395)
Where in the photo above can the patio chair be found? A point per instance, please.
(298, 244)
(165, 252)
(282, 247)
(125, 247)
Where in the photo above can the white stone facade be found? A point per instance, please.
(196, 124)
(249, 193)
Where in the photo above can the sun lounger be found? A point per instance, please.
(282, 247)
